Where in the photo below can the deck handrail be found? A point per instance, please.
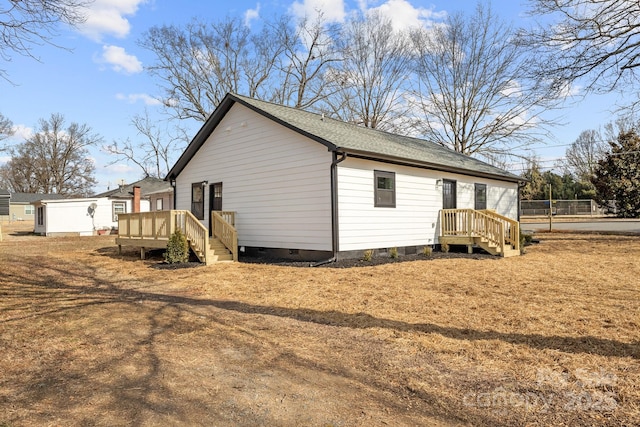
(196, 233)
(512, 228)
(497, 229)
(160, 225)
(225, 231)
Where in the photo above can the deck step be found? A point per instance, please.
(218, 251)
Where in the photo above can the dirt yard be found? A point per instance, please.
(88, 337)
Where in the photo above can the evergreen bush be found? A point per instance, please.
(177, 248)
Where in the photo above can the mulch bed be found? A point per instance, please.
(358, 262)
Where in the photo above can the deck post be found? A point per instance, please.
(142, 254)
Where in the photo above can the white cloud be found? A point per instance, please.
(120, 60)
(119, 168)
(404, 15)
(512, 88)
(108, 17)
(332, 10)
(251, 14)
(4, 159)
(132, 98)
(569, 90)
(21, 132)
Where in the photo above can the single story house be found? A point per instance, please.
(88, 216)
(161, 200)
(22, 205)
(151, 189)
(5, 198)
(305, 185)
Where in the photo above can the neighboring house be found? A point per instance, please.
(87, 216)
(314, 187)
(5, 198)
(148, 186)
(22, 205)
(161, 200)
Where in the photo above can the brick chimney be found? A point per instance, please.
(136, 199)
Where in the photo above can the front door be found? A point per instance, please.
(449, 201)
(449, 196)
(215, 202)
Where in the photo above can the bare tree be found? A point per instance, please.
(154, 151)
(24, 23)
(197, 65)
(6, 128)
(594, 41)
(54, 160)
(582, 157)
(472, 86)
(373, 74)
(308, 51)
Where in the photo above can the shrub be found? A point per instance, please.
(427, 251)
(393, 253)
(525, 240)
(368, 254)
(177, 248)
(444, 247)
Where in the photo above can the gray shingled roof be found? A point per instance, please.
(30, 198)
(4, 193)
(345, 137)
(147, 185)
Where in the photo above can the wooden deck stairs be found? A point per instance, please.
(153, 229)
(218, 251)
(494, 233)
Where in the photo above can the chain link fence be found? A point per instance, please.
(563, 207)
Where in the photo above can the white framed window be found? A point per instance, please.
(29, 210)
(159, 204)
(118, 208)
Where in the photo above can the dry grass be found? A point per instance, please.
(93, 338)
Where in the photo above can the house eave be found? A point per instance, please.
(425, 165)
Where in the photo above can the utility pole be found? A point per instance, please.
(550, 210)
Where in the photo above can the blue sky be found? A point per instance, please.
(99, 79)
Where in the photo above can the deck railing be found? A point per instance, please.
(160, 225)
(496, 229)
(146, 225)
(196, 233)
(511, 227)
(224, 230)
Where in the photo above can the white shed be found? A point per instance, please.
(81, 217)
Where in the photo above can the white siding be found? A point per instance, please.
(276, 180)
(501, 196)
(415, 219)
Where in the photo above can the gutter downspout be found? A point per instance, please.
(334, 209)
(173, 183)
(521, 185)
